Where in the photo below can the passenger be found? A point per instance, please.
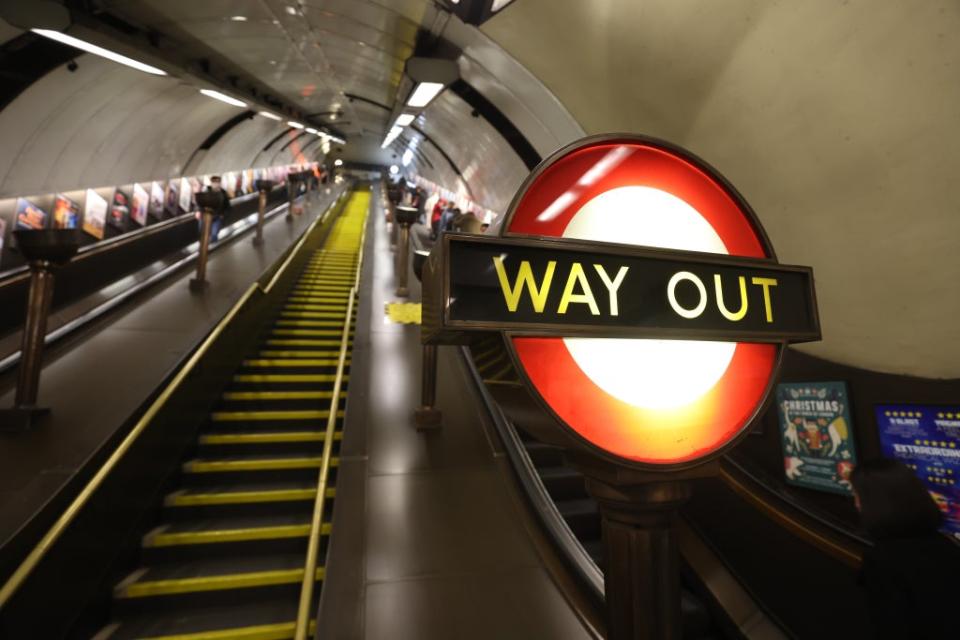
(219, 214)
(911, 574)
(446, 220)
(438, 210)
(467, 223)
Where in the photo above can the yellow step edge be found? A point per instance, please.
(296, 342)
(308, 323)
(243, 416)
(278, 631)
(306, 332)
(265, 464)
(311, 314)
(286, 377)
(301, 353)
(230, 581)
(222, 536)
(182, 499)
(298, 362)
(280, 395)
(266, 438)
(309, 306)
(318, 299)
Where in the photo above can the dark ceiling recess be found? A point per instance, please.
(27, 58)
(224, 128)
(517, 141)
(275, 139)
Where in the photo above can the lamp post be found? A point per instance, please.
(209, 202)
(45, 251)
(264, 187)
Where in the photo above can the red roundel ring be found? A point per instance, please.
(654, 403)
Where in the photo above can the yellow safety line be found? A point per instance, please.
(278, 395)
(228, 581)
(310, 306)
(181, 499)
(304, 353)
(304, 332)
(268, 437)
(302, 343)
(244, 416)
(222, 536)
(266, 464)
(284, 377)
(307, 323)
(300, 362)
(278, 631)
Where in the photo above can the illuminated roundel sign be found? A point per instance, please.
(639, 297)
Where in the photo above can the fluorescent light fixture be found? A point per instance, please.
(424, 93)
(272, 116)
(407, 157)
(404, 119)
(222, 97)
(394, 169)
(291, 10)
(338, 140)
(98, 51)
(239, 18)
(338, 162)
(295, 125)
(394, 132)
(310, 130)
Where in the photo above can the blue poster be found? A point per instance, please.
(927, 439)
(816, 435)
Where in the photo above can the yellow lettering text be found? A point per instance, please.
(735, 317)
(766, 283)
(577, 276)
(538, 293)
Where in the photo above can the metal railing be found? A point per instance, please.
(306, 606)
(58, 528)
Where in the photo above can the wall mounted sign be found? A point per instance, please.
(816, 434)
(927, 439)
(639, 299)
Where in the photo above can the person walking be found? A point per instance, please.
(910, 576)
(219, 214)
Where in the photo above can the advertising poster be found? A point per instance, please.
(95, 214)
(119, 210)
(229, 182)
(173, 198)
(196, 186)
(245, 185)
(3, 235)
(816, 435)
(927, 439)
(156, 200)
(66, 213)
(140, 204)
(186, 194)
(29, 215)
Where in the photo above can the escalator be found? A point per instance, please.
(224, 551)
(751, 558)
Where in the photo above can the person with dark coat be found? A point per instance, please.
(912, 574)
(219, 215)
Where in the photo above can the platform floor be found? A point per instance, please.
(95, 380)
(428, 539)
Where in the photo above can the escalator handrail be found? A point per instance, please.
(23, 571)
(845, 545)
(305, 607)
(558, 529)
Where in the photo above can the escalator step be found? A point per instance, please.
(293, 362)
(172, 536)
(265, 620)
(255, 494)
(286, 377)
(141, 585)
(283, 342)
(280, 395)
(255, 464)
(265, 438)
(252, 416)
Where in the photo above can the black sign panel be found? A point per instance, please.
(562, 287)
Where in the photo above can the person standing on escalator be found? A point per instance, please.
(220, 213)
(912, 574)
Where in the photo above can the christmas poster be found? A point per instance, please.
(66, 213)
(95, 214)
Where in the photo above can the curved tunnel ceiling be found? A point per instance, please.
(841, 133)
(836, 121)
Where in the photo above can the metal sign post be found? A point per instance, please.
(405, 216)
(210, 202)
(638, 316)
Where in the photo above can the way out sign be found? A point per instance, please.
(638, 298)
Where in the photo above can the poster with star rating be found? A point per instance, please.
(817, 435)
(927, 439)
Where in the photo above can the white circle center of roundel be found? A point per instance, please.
(651, 374)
